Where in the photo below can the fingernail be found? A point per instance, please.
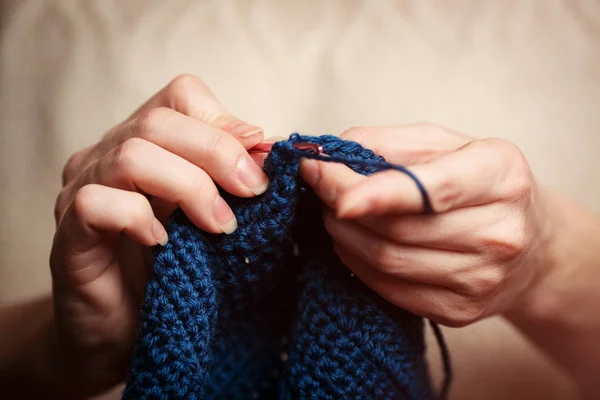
(252, 175)
(159, 233)
(244, 130)
(224, 216)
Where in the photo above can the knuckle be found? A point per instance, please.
(125, 156)
(507, 156)
(496, 148)
(500, 145)
(217, 142)
(181, 91)
(178, 90)
(149, 122)
(463, 312)
(183, 83)
(384, 257)
(492, 153)
(502, 249)
(446, 195)
(200, 184)
(521, 187)
(513, 247)
(521, 184)
(483, 284)
(198, 189)
(85, 199)
(518, 241)
(509, 241)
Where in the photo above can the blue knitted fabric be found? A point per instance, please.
(270, 311)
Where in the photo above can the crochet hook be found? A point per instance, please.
(265, 147)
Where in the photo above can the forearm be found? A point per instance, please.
(561, 314)
(29, 362)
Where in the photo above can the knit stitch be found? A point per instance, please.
(270, 311)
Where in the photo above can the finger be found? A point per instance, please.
(408, 144)
(138, 165)
(97, 210)
(259, 158)
(216, 152)
(429, 301)
(468, 229)
(476, 174)
(414, 263)
(190, 96)
(328, 180)
(100, 212)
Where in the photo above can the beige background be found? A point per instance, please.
(525, 70)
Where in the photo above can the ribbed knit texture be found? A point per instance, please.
(270, 311)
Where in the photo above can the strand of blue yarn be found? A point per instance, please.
(427, 209)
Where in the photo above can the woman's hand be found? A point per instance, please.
(476, 256)
(116, 195)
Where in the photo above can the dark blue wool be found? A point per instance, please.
(270, 311)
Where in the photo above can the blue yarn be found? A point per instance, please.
(382, 165)
(270, 311)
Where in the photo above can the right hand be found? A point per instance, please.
(115, 198)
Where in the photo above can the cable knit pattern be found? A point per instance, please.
(270, 311)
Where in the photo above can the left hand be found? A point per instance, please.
(474, 257)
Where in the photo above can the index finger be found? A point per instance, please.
(190, 96)
(479, 173)
(410, 144)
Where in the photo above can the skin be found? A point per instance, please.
(115, 198)
(498, 243)
(471, 259)
(492, 248)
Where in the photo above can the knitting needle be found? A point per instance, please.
(265, 147)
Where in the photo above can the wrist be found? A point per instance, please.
(546, 260)
(563, 257)
(558, 312)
